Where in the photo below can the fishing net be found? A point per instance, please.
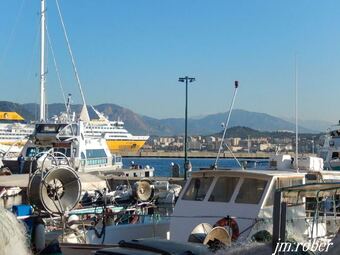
(13, 239)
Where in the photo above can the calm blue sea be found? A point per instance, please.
(163, 165)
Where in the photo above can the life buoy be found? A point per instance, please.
(229, 222)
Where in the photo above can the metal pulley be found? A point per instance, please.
(55, 191)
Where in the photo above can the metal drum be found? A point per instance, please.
(57, 191)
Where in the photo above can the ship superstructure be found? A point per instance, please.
(13, 129)
(117, 137)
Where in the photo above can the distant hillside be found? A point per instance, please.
(245, 132)
(212, 123)
(140, 125)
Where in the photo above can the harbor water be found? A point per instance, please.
(163, 165)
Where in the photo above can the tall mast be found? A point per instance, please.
(42, 63)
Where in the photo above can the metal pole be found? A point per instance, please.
(186, 79)
(186, 129)
(276, 220)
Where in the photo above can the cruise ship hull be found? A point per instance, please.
(17, 142)
(116, 146)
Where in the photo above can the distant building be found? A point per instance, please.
(235, 141)
(265, 146)
(211, 139)
(194, 145)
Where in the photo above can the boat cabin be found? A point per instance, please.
(85, 154)
(211, 195)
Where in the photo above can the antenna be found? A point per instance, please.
(226, 127)
(296, 118)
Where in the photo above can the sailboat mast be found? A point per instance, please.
(42, 62)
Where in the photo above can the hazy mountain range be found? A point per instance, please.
(203, 125)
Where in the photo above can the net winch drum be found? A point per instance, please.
(56, 191)
(143, 191)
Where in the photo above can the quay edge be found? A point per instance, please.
(200, 154)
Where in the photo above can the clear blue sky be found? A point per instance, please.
(131, 53)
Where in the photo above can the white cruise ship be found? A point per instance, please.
(13, 130)
(117, 137)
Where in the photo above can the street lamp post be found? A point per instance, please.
(186, 79)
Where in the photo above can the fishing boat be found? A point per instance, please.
(304, 220)
(117, 137)
(232, 208)
(65, 139)
(246, 195)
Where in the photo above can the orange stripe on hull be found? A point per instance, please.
(22, 143)
(125, 146)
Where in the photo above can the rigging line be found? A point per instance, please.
(226, 127)
(70, 52)
(237, 161)
(12, 34)
(56, 67)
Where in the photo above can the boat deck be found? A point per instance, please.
(88, 181)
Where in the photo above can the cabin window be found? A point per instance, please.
(224, 189)
(31, 152)
(197, 189)
(335, 155)
(251, 191)
(68, 130)
(49, 128)
(68, 152)
(95, 153)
